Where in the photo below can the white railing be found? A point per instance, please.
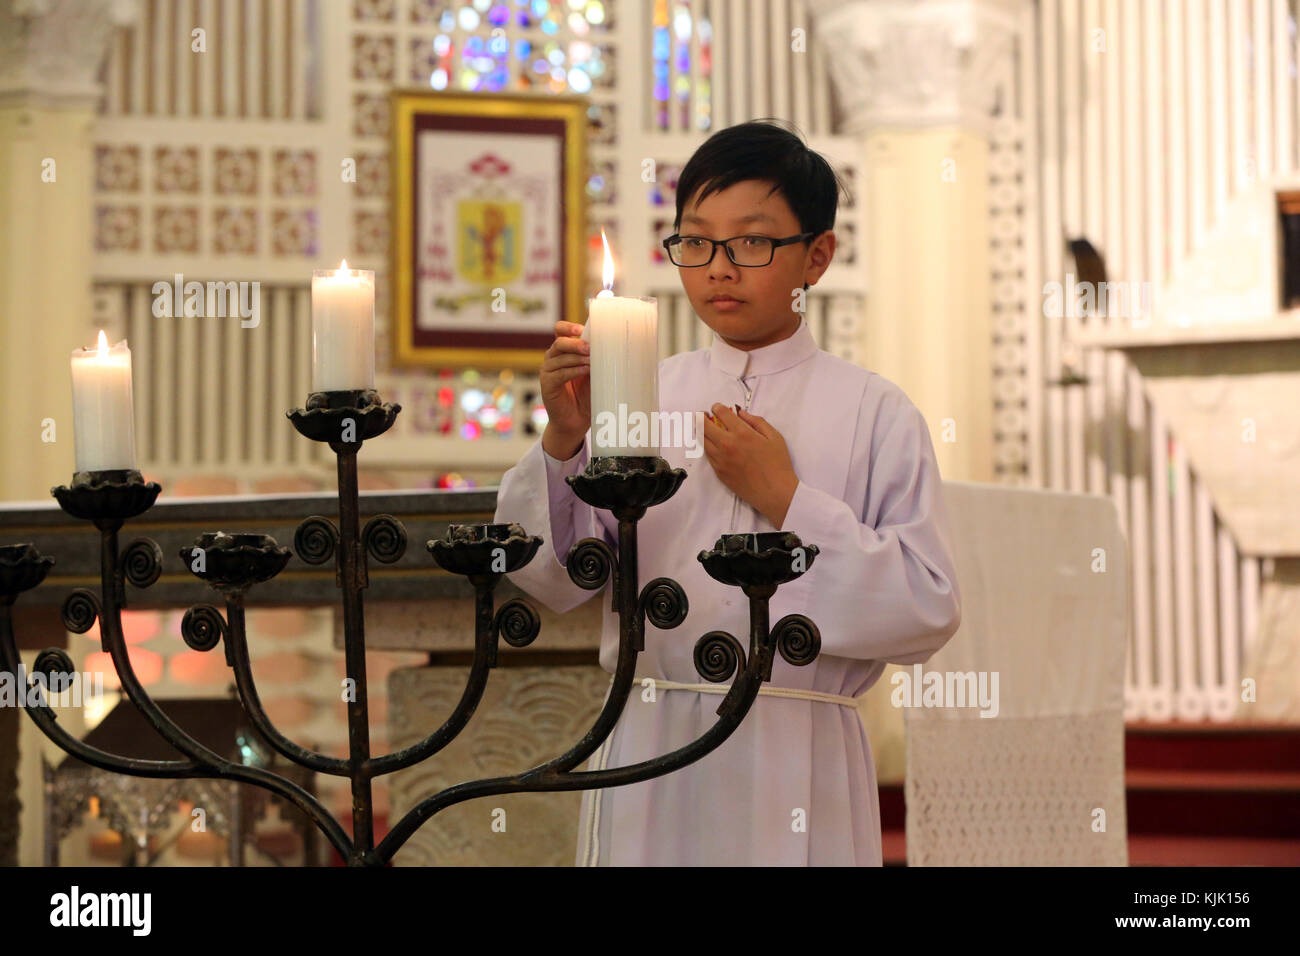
(756, 69)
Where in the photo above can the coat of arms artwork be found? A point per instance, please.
(489, 219)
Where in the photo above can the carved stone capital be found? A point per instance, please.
(912, 64)
(52, 50)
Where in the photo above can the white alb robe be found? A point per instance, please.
(795, 784)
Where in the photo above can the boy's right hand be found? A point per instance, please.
(566, 391)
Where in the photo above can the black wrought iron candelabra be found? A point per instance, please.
(231, 563)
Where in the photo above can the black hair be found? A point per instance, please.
(762, 149)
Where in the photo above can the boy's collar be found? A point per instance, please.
(761, 361)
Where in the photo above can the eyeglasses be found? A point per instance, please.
(748, 251)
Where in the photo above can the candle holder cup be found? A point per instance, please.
(232, 563)
(484, 549)
(106, 496)
(752, 561)
(346, 417)
(22, 568)
(626, 485)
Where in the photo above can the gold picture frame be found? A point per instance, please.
(497, 130)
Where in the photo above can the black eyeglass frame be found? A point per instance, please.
(776, 244)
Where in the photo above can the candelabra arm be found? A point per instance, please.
(553, 771)
(735, 705)
(44, 717)
(631, 641)
(211, 764)
(555, 775)
(485, 646)
(594, 568)
(236, 637)
(716, 657)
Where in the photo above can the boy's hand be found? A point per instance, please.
(750, 457)
(566, 391)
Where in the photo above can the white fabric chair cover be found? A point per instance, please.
(1024, 787)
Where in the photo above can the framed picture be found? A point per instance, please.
(489, 214)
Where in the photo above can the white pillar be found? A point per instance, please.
(50, 57)
(915, 80)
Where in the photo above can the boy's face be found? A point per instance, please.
(750, 307)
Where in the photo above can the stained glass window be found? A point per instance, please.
(673, 27)
(474, 405)
(491, 46)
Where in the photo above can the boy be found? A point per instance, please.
(797, 440)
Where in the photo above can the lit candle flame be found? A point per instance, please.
(343, 270)
(102, 345)
(607, 270)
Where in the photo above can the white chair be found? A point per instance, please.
(1045, 604)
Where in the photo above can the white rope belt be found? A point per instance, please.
(793, 692)
(592, 853)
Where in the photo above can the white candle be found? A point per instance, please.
(342, 329)
(103, 418)
(624, 337)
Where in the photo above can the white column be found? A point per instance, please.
(50, 57)
(915, 80)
